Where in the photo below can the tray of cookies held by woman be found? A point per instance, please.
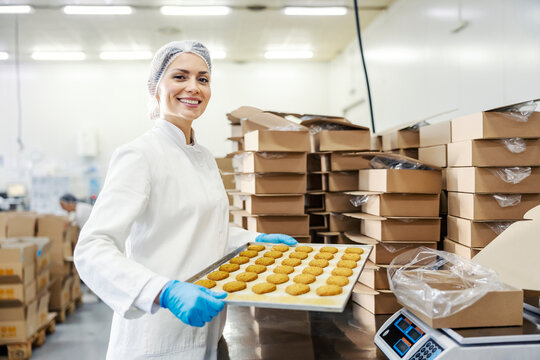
(313, 277)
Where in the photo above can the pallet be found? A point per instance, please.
(23, 350)
(64, 312)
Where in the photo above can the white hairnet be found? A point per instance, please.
(163, 58)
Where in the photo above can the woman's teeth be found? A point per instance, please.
(192, 102)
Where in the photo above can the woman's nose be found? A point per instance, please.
(192, 86)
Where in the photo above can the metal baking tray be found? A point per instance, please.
(279, 299)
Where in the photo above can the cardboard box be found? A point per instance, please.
(261, 121)
(400, 205)
(494, 125)
(376, 302)
(339, 222)
(460, 249)
(18, 293)
(21, 224)
(411, 153)
(400, 181)
(348, 161)
(60, 292)
(290, 225)
(3, 225)
(376, 143)
(336, 134)
(256, 162)
(335, 238)
(225, 165)
(433, 155)
(475, 234)
(43, 308)
(375, 276)
(401, 139)
(494, 153)
(242, 113)
(75, 292)
(229, 181)
(342, 181)
(443, 203)
(305, 239)
(277, 141)
(436, 134)
(317, 162)
(17, 262)
(273, 183)
(491, 206)
(275, 204)
(317, 182)
(491, 180)
(18, 324)
(338, 202)
(42, 280)
(43, 245)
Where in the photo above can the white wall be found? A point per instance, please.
(419, 69)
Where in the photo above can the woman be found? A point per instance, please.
(161, 217)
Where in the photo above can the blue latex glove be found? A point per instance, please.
(276, 239)
(193, 304)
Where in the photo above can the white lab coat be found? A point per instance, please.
(162, 214)
(82, 213)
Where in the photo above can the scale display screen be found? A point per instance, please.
(401, 335)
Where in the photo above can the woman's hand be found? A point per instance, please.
(276, 239)
(193, 304)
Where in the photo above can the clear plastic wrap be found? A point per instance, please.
(513, 175)
(288, 127)
(381, 162)
(272, 155)
(514, 145)
(499, 226)
(417, 126)
(437, 283)
(237, 161)
(507, 200)
(314, 129)
(359, 200)
(519, 112)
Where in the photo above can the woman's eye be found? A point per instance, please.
(179, 77)
(204, 80)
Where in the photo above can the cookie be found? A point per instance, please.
(298, 255)
(218, 275)
(229, 267)
(329, 249)
(256, 268)
(256, 247)
(313, 270)
(281, 248)
(341, 271)
(239, 260)
(283, 269)
(277, 278)
(319, 262)
(297, 289)
(249, 253)
(347, 264)
(354, 250)
(337, 280)
(273, 254)
(329, 290)
(246, 276)
(206, 283)
(263, 288)
(304, 279)
(353, 257)
(306, 249)
(291, 262)
(234, 286)
(264, 261)
(324, 256)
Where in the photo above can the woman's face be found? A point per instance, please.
(184, 90)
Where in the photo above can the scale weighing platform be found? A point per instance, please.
(404, 336)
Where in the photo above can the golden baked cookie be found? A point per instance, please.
(256, 247)
(283, 269)
(291, 262)
(263, 288)
(281, 248)
(273, 254)
(246, 276)
(229, 267)
(218, 275)
(239, 260)
(341, 271)
(313, 270)
(319, 262)
(329, 290)
(256, 268)
(249, 253)
(346, 264)
(304, 248)
(233, 286)
(297, 289)
(265, 261)
(353, 257)
(354, 250)
(337, 280)
(304, 278)
(206, 283)
(329, 249)
(324, 256)
(298, 255)
(277, 278)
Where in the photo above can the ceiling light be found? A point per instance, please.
(4, 55)
(97, 10)
(16, 9)
(315, 11)
(58, 55)
(218, 54)
(125, 55)
(195, 10)
(285, 54)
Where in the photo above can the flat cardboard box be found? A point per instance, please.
(338, 202)
(261, 121)
(273, 183)
(375, 276)
(54, 227)
(290, 225)
(436, 134)
(494, 125)
(491, 181)
(336, 134)
(342, 181)
(411, 153)
(401, 205)
(265, 162)
(460, 249)
(242, 113)
(225, 165)
(491, 206)
(400, 181)
(348, 161)
(18, 323)
(376, 143)
(401, 139)
(376, 302)
(60, 292)
(275, 204)
(18, 293)
(318, 162)
(277, 141)
(475, 234)
(339, 222)
(229, 181)
(433, 155)
(317, 182)
(494, 153)
(21, 224)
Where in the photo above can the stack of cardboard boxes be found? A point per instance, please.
(403, 140)
(493, 177)
(226, 171)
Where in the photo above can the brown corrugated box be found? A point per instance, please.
(339, 222)
(348, 161)
(375, 276)
(338, 202)
(225, 165)
(400, 181)
(411, 153)
(75, 290)
(3, 225)
(18, 324)
(494, 153)
(18, 293)
(377, 302)
(290, 225)
(21, 224)
(43, 308)
(242, 113)
(17, 262)
(433, 155)
(257, 162)
(274, 204)
(436, 134)
(487, 180)
(351, 138)
(460, 249)
(229, 181)
(342, 181)
(275, 140)
(491, 206)
(477, 234)
(273, 183)
(389, 204)
(60, 292)
(403, 137)
(43, 251)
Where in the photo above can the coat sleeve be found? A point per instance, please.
(239, 236)
(100, 252)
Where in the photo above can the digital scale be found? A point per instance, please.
(404, 336)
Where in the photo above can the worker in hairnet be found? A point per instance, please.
(162, 217)
(78, 211)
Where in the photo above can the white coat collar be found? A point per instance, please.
(177, 135)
